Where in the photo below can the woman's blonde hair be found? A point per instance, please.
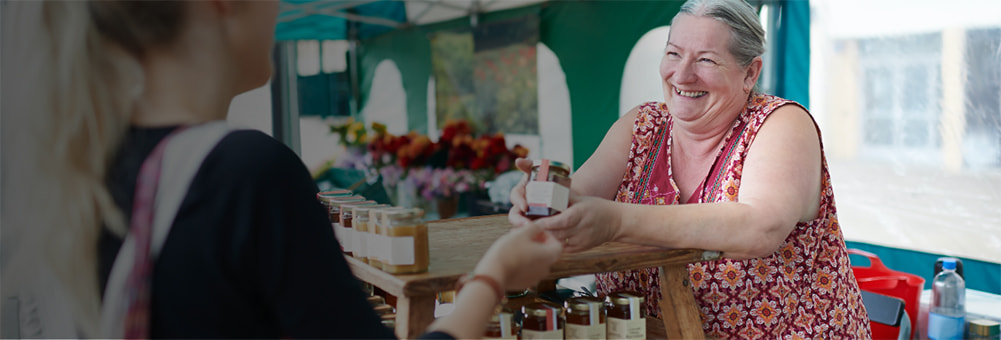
(72, 72)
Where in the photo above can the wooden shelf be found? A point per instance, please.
(458, 244)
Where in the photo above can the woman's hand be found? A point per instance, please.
(587, 222)
(522, 257)
(519, 205)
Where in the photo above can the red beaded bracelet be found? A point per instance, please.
(490, 281)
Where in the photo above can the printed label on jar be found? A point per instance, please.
(401, 251)
(596, 331)
(381, 247)
(360, 248)
(345, 236)
(626, 329)
(530, 334)
(547, 194)
(374, 248)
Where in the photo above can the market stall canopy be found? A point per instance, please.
(332, 19)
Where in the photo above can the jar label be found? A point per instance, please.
(374, 249)
(401, 251)
(343, 237)
(360, 247)
(594, 331)
(505, 326)
(381, 247)
(626, 329)
(942, 327)
(547, 194)
(530, 334)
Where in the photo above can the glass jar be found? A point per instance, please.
(325, 196)
(407, 239)
(585, 318)
(626, 315)
(389, 320)
(501, 325)
(363, 229)
(345, 236)
(379, 245)
(541, 321)
(548, 189)
(383, 309)
(376, 300)
(347, 222)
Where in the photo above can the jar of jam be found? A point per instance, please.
(358, 237)
(407, 234)
(379, 245)
(345, 236)
(389, 320)
(325, 196)
(501, 325)
(541, 321)
(363, 229)
(626, 316)
(376, 300)
(585, 318)
(548, 189)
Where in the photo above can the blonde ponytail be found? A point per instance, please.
(66, 88)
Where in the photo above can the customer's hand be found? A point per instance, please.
(519, 205)
(587, 222)
(520, 258)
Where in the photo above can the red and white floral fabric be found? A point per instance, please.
(804, 290)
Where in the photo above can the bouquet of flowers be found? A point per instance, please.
(458, 162)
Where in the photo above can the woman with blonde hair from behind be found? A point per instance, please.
(139, 213)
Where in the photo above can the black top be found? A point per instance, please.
(251, 253)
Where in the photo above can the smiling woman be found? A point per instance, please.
(719, 166)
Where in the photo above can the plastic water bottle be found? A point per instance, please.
(946, 318)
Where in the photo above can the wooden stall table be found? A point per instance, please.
(458, 244)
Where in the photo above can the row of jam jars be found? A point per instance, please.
(325, 198)
(619, 315)
(344, 233)
(361, 229)
(393, 239)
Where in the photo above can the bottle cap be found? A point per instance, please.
(949, 264)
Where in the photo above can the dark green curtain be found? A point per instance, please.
(792, 52)
(592, 40)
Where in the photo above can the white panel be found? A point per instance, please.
(387, 102)
(641, 77)
(554, 108)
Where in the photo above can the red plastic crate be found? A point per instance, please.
(877, 278)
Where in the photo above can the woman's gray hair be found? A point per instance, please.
(747, 37)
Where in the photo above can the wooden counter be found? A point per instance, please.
(458, 244)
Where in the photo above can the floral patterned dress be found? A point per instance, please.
(806, 289)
